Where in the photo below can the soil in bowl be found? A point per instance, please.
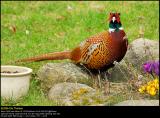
(9, 72)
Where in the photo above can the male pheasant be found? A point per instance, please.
(97, 53)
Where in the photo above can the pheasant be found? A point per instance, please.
(97, 53)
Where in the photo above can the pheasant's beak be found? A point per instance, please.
(113, 19)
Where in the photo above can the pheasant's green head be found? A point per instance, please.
(115, 22)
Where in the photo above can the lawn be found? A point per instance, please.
(35, 27)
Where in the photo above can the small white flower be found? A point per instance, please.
(69, 7)
(27, 32)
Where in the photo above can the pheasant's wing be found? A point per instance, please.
(94, 50)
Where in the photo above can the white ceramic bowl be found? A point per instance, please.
(14, 85)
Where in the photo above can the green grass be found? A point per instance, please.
(52, 27)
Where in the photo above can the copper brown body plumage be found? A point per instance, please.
(97, 52)
(101, 50)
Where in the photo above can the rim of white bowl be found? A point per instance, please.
(27, 71)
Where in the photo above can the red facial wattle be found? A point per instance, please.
(116, 15)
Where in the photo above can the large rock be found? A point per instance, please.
(53, 73)
(138, 103)
(139, 51)
(70, 94)
(65, 89)
(142, 50)
(121, 72)
(73, 94)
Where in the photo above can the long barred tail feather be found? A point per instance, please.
(49, 56)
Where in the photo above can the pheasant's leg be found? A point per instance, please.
(107, 87)
(107, 83)
(99, 82)
(99, 79)
(94, 77)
